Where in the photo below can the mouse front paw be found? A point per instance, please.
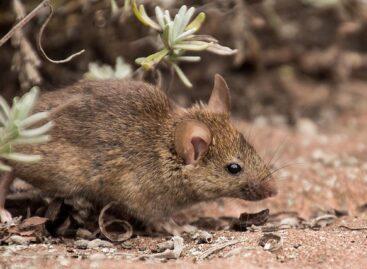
(5, 216)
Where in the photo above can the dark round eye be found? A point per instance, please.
(234, 168)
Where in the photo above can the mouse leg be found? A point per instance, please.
(5, 181)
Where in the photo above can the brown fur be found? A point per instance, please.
(114, 141)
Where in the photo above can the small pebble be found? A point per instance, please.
(18, 240)
(306, 127)
(202, 237)
(81, 244)
(164, 245)
(98, 243)
(127, 245)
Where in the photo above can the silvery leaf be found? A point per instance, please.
(159, 15)
(189, 58)
(34, 119)
(182, 75)
(21, 157)
(192, 45)
(37, 131)
(32, 140)
(221, 50)
(5, 168)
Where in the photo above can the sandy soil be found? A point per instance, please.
(325, 173)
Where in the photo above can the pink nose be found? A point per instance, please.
(269, 188)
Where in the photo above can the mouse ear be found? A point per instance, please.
(220, 99)
(192, 140)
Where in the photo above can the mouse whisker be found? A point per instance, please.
(276, 170)
(279, 151)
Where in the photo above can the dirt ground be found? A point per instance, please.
(325, 173)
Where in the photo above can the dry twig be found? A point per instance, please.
(25, 60)
(216, 248)
(23, 22)
(175, 253)
(353, 229)
(26, 19)
(68, 59)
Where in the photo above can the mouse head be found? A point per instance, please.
(218, 161)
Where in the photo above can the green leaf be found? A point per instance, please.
(2, 119)
(165, 36)
(151, 23)
(114, 8)
(34, 119)
(140, 60)
(153, 59)
(37, 131)
(6, 148)
(197, 22)
(171, 40)
(182, 76)
(187, 18)
(193, 45)
(185, 34)
(4, 106)
(160, 16)
(19, 157)
(24, 105)
(5, 168)
(127, 5)
(221, 50)
(143, 17)
(32, 140)
(188, 58)
(206, 38)
(167, 17)
(14, 121)
(177, 22)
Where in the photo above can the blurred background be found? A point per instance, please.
(296, 58)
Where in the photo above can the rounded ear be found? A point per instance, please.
(220, 99)
(192, 140)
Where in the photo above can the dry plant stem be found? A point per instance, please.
(40, 40)
(23, 22)
(240, 39)
(175, 253)
(5, 181)
(19, 9)
(353, 229)
(25, 60)
(216, 248)
(28, 195)
(26, 19)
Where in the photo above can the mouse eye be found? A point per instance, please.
(234, 168)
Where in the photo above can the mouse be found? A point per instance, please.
(126, 141)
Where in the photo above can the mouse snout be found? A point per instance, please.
(260, 190)
(269, 188)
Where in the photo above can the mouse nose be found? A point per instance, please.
(269, 187)
(260, 190)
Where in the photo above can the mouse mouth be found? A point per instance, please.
(256, 193)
